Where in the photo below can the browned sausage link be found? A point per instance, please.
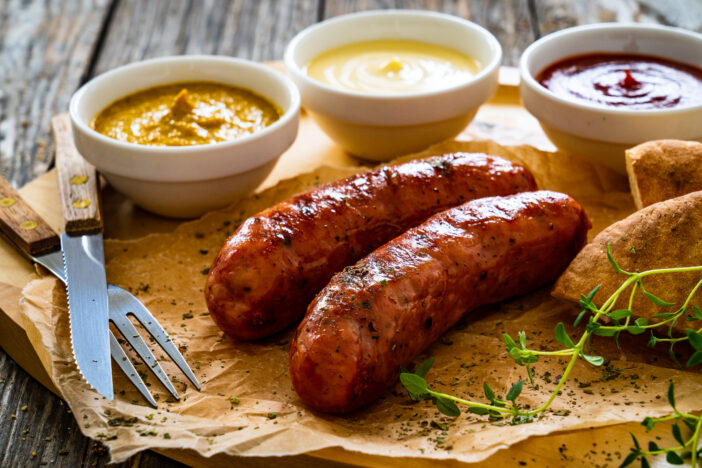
(270, 269)
(386, 309)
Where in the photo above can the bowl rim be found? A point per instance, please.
(163, 151)
(527, 79)
(486, 70)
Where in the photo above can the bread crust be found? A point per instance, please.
(663, 235)
(663, 169)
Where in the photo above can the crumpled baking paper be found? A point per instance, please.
(247, 405)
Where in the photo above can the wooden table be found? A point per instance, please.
(48, 48)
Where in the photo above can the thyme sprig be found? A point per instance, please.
(618, 321)
(687, 449)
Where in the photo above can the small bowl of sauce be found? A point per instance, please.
(600, 89)
(185, 114)
(184, 135)
(628, 81)
(392, 66)
(391, 82)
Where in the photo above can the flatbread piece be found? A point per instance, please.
(663, 169)
(664, 235)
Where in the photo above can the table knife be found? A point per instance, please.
(84, 262)
(31, 236)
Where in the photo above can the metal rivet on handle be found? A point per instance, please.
(28, 225)
(82, 203)
(7, 202)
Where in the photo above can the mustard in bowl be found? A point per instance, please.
(187, 143)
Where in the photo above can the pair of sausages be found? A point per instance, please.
(270, 269)
(380, 313)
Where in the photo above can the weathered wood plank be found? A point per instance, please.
(139, 29)
(45, 48)
(553, 15)
(508, 20)
(43, 431)
(254, 30)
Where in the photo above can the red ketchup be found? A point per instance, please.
(619, 80)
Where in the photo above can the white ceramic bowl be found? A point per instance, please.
(379, 127)
(185, 181)
(596, 132)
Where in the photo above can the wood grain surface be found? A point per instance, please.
(22, 225)
(49, 47)
(80, 198)
(46, 47)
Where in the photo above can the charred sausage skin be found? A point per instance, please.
(270, 269)
(386, 309)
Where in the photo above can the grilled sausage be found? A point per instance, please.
(386, 309)
(270, 269)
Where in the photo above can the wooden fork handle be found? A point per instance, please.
(22, 225)
(78, 182)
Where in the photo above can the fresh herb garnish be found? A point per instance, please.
(620, 320)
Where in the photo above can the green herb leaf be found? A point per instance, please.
(629, 459)
(414, 384)
(604, 332)
(592, 293)
(691, 424)
(515, 391)
(671, 395)
(635, 330)
(641, 321)
(656, 300)
(516, 354)
(480, 411)
(594, 360)
(652, 446)
(619, 314)
(489, 394)
(522, 339)
(678, 434)
(562, 337)
(592, 326)
(636, 442)
(694, 338)
(580, 317)
(447, 407)
(695, 359)
(644, 463)
(652, 341)
(697, 312)
(509, 342)
(424, 367)
(611, 260)
(673, 458)
(649, 423)
(587, 304)
(665, 315)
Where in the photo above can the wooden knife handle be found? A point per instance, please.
(80, 200)
(22, 225)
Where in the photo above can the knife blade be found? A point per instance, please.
(86, 283)
(84, 261)
(26, 231)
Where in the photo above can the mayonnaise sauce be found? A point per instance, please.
(392, 67)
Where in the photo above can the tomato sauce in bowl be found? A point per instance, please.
(624, 80)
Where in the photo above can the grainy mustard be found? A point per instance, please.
(181, 114)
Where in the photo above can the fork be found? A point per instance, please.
(28, 233)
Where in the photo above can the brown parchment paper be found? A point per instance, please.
(167, 272)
